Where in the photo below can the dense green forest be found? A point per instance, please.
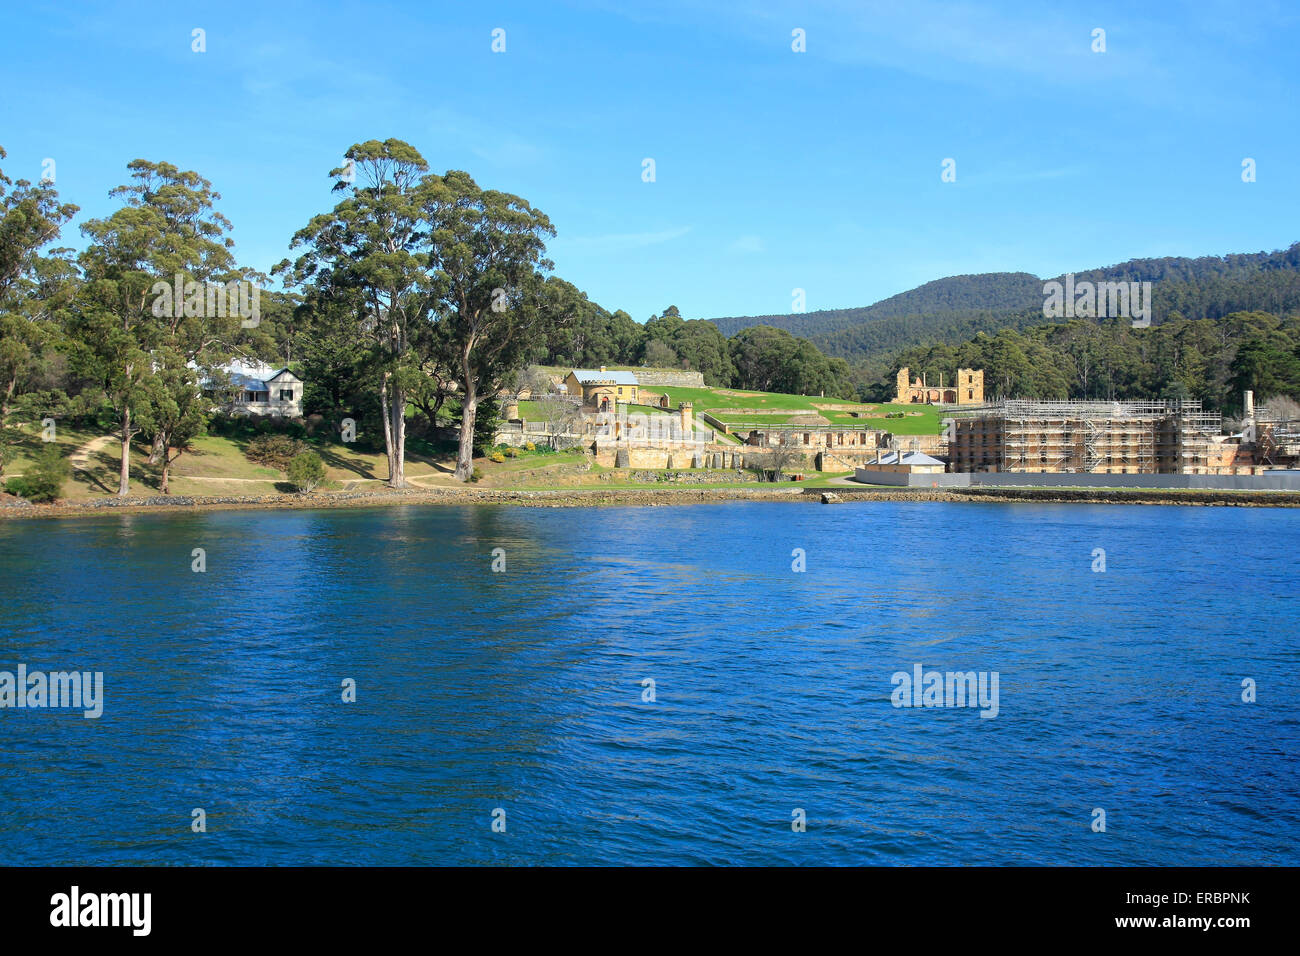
(756, 358)
(959, 308)
(995, 292)
(1208, 359)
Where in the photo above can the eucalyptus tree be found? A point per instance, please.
(488, 254)
(35, 288)
(149, 271)
(174, 409)
(370, 251)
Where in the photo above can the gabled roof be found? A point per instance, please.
(586, 376)
(909, 458)
(248, 383)
(250, 375)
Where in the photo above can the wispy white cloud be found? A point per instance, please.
(966, 43)
(491, 142)
(622, 240)
(748, 244)
(940, 39)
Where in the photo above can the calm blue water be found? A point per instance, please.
(523, 690)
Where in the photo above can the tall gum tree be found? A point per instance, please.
(488, 252)
(34, 287)
(167, 231)
(371, 248)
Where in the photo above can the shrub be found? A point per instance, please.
(476, 474)
(274, 450)
(529, 446)
(512, 452)
(43, 480)
(496, 456)
(306, 471)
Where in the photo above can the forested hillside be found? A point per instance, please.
(998, 292)
(1208, 359)
(761, 358)
(958, 308)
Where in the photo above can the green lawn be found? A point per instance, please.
(773, 408)
(527, 460)
(778, 409)
(25, 449)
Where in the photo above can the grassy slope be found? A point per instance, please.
(720, 403)
(26, 450)
(919, 420)
(217, 465)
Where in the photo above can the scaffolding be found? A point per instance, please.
(1278, 442)
(1143, 437)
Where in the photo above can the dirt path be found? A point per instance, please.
(79, 458)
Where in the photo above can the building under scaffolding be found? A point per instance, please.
(1277, 443)
(1124, 438)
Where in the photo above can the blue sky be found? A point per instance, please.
(775, 170)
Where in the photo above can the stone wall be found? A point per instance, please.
(692, 477)
(846, 459)
(720, 426)
(934, 445)
(670, 377)
(711, 456)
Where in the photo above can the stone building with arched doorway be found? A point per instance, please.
(967, 389)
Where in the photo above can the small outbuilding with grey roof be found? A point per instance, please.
(907, 462)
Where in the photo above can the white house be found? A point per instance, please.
(262, 390)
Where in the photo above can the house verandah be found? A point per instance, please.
(258, 389)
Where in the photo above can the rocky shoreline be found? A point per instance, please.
(663, 496)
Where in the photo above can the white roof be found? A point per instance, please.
(909, 458)
(251, 369)
(249, 374)
(586, 375)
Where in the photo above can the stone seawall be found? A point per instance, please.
(699, 494)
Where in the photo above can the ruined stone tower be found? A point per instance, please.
(970, 386)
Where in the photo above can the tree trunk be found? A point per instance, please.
(469, 408)
(388, 424)
(124, 479)
(9, 396)
(393, 410)
(166, 468)
(397, 471)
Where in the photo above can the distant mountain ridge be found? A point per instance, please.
(995, 291)
(959, 307)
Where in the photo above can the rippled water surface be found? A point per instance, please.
(523, 690)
